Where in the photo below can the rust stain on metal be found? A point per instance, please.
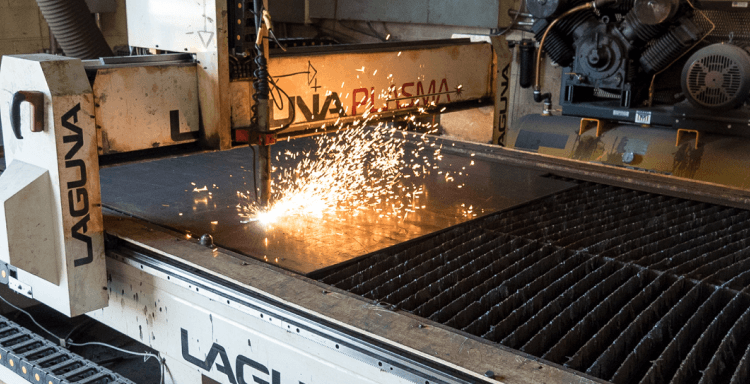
(587, 148)
(687, 160)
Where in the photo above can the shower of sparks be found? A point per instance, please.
(358, 168)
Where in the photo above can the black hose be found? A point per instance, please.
(74, 28)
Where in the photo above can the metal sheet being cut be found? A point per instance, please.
(197, 195)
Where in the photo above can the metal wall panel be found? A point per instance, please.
(287, 11)
(415, 11)
(322, 9)
(469, 13)
(102, 6)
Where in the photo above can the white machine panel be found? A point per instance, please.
(52, 227)
(146, 107)
(172, 25)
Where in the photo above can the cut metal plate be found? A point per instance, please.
(163, 192)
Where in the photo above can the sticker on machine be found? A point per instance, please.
(620, 113)
(643, 117)
(739, 4)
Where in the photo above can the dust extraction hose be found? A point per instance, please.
(74, 28)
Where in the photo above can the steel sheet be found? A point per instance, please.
(163, 192)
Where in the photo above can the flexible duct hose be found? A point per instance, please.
(74, 28)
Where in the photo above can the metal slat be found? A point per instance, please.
(708, 345)
(421, 279)
(626, 286)
(660, 336)
(505, 283)
(561, 223)
(704, 259)
(615, 326)
(563, 321)
(610, 243)
(533, 221)
(648, 247)
(591, 324)
(518, 335)
(480, 270)
(391, 277)
(517, 261)
(677, 353)
(423, 264)
(445, 277)
(526, 302)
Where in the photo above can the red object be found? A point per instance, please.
(242, 135)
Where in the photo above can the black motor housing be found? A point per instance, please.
(717, 77)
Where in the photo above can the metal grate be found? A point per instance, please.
(626, 286)
(731, 25)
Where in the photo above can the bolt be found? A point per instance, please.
(207, 240)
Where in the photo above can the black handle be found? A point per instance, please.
(36, 99)
(15, 114)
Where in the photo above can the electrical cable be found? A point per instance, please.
(64, 342)
(283, 48)
(358, 31)
(32, 319)
(292, 74)
(292, 110)
(78, 327)
(369, 24)
(145, 355)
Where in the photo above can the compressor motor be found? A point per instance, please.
(611, 54)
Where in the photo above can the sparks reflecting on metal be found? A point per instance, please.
(356, 169)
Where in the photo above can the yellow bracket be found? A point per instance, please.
(681, 131)
(587, 123)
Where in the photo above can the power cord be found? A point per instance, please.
(64, 343)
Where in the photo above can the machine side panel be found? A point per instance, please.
(66, 147)
(221, 342)
(337, 328)
(146, 107)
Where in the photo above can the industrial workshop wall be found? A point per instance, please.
(23, 29)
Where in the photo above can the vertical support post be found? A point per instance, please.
(504, 59)
(501, 74)
(213, 81)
